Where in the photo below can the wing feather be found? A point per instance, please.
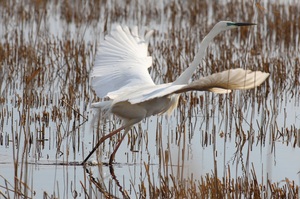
(223, 82)
(121, 62)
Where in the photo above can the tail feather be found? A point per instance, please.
(101, 109)
(104, 105)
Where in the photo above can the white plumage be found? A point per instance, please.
(121, 74)
(121, 62)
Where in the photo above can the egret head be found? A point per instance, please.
(228, 25)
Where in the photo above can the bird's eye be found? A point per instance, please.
(230, 24)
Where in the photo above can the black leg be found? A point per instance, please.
(101, 141)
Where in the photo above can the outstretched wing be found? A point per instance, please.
(223, 82)
(121, 62)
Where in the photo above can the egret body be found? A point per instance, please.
(121, 75)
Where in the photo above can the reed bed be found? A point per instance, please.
(47, 50)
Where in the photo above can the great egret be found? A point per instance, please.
(121, 74)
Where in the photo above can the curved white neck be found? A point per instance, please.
(187, 74)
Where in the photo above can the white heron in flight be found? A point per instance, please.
(121, 75)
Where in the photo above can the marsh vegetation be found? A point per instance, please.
(239, 145)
